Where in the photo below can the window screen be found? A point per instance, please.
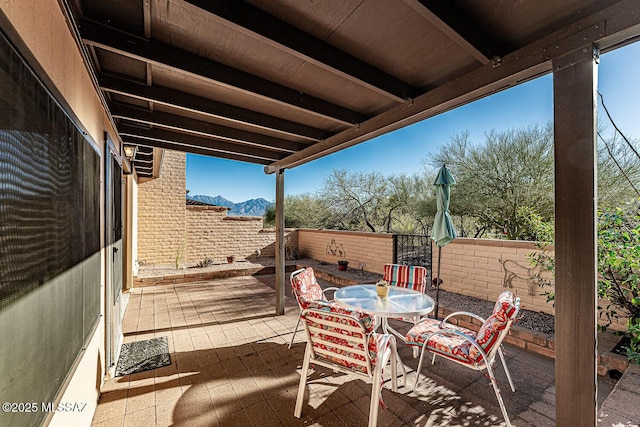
(49, 240)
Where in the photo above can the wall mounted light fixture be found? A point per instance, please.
(130, 151)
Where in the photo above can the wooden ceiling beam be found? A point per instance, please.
(162, 54)
(186, 140)
(250, 20)
(197, 104)
(166, 145)
(608, 27)
(205, 129)
(446, 17)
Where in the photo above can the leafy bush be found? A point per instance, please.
(618, 266)
(633, 351)
(541, 232)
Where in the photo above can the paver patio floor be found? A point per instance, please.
(230, 366)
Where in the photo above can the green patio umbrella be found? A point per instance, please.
(443, 230)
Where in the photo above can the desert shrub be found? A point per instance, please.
(205, 262)
(618, 267)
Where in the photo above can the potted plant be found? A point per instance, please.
(230, 259)
(382, 288)
(342, 265)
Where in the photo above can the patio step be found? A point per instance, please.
(203, 276)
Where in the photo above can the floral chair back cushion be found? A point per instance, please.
(306, 287)
(333, 344)
(504, 311)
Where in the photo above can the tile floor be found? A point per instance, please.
(231, 367)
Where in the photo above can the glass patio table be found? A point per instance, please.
(400, 303)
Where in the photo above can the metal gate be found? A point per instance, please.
(413, 249)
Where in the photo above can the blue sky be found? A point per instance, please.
(405, 150)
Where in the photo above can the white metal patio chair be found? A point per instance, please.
(461, 345)
(306, 289)
(344, 340)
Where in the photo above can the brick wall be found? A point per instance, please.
(374, 249)
(469, 266)
(168, 229)
(213, 234)
(161, 213)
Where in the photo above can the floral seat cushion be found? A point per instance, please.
(504, 311)
(342, 345)
(452, 346)
(406, 276)
(455, 346)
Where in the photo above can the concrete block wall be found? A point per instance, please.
(472, 267)
(213, 234)
(169, 231)
(162, 213)
(374, 249)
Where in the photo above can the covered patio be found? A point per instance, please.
(277, 83)
(230, 366)
(283, 83)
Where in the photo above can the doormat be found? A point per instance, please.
(142, 356)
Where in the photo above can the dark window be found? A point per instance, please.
(49, 239)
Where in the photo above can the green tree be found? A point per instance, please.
(618, 170)
(300, 211)
(398, 203)
(619, 261)
(408, 204)
(515, 169)
(358, 201)
(374, 202)
(511, 169)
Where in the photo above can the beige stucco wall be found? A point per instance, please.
(161, 213)
(43, 27)
(374, 249)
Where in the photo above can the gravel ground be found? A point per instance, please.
(535, 321)
(532, 320)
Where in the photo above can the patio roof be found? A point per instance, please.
(283, 82)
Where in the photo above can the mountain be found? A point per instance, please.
(214, 201)
(253, 207)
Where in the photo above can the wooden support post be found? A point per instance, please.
(280, 261)
(575, 107)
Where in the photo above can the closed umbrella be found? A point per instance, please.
(443, 230)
